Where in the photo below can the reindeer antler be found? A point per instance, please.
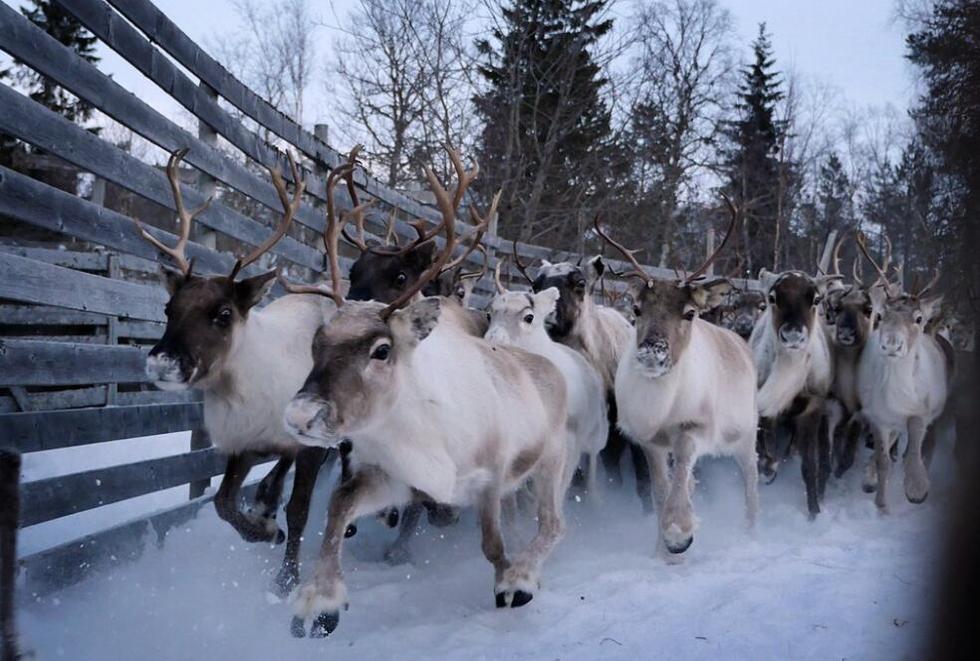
(929, 285)
(185, 218)
(480, 227)
(391, 237)
(496, 276)
(289, 208)
(630, 255)
(836, 258)
(448, 209)
(728, 233)
(483, 269)
(521, 268)
(862, 243)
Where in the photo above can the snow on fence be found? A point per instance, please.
(71, 390)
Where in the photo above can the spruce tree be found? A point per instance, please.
(756, 181)
(546, 137)
(834, 191)
(69, 32)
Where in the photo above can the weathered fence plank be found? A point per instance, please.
(56, 497)
(37, 363)
(24, 40)
(162, 31)
(36, 125)
(34, 431)
(23, 315)
(29, 281)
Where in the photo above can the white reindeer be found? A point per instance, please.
(517, 319)
(686, 387)
(432, 412)
(903, 379)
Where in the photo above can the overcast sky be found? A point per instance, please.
(852, 45)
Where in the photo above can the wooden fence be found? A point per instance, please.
(79, 323)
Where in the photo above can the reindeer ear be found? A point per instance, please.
(595, 267)
(827, 283)
(414, 323)
(172, 280)
(545, 300)
(711, 294)
(423, 255)
(767, 279)
(930, 307)
(249, 292)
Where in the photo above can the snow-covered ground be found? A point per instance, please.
(852, 585)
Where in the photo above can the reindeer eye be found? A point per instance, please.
(401, 278)
(772, 297)
(918, 318)
(867, 312)
(528, 318)
(689, 315)
(223, 318)
(580, 284)
(381, 352)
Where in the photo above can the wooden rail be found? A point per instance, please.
(76, 323)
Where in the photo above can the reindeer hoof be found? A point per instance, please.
(768, 476)
(442, 515)
(680, 547)
(350, 531)
(286, 581)
(297, 628)
(324, 624)
(397, 554)
(391, 520)
(280, 537)
(917, 500)
(514, 599)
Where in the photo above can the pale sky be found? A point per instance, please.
(852, 45)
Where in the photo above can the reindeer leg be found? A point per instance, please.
(849, 446)
(251, 528)
(318, 601)
(916, 473)
(677, 520)
(748, 466)
(612, 454)
(308, 463)
(642, 472)
(807, 435)
(491, 538)
(660, 474)
(824, 452)
(398, 553)
(270, 489)
(518, 582)
(882, 461)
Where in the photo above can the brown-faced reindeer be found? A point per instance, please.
(847, 310)
(903, 379)
(432, 411)
(795, 372)
(685, 388)
(599, 333)
(248, 362)
(743, 312)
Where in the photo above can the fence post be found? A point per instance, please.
(112, 328)
(9, 517)
(709, 248)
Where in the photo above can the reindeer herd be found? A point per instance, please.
(434, 406)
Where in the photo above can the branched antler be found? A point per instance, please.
(483, 269)
(496, 276)
(714, 256)
(184, 218)
(480, 227)
(289, 207)
(630, 255)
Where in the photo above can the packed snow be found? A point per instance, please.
(851, 585)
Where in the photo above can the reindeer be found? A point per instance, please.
(795, 374)
(432, 412)
(382, 273)
(685, 387)
(903, 379)
(517, 319)
(742, 313)
(847, 311)
(248, 363)
(599, 333)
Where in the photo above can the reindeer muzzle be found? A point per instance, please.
(312, 421)
(654, 356)
(793, 337)
(168, 372)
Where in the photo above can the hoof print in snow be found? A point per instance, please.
(297, 628)
(324, 624)
(869, 488)
(350, 531)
